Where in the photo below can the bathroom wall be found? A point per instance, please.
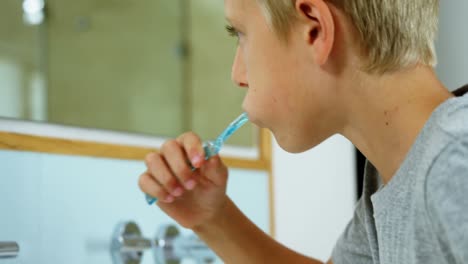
(315, 193)
(63, 209)
(452, 44)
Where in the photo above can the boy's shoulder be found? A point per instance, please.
(447, 178)
(446, 184)
(455, 118)
(451, 161)
(446, 196)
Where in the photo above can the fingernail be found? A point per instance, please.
(178, 192)
(190, 184)
(169, 199)
(197, 160)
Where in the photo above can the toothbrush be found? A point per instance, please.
(212, 148)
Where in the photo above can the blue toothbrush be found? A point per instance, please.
(212, 148)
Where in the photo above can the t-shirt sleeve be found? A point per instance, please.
(353, 245)
(447, 199)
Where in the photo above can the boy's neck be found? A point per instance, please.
(385, 114)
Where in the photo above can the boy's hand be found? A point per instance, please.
(191, 197)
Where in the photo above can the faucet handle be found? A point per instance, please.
(128, 244)
(9, 249)
(171, 247)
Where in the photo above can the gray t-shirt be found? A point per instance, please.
(421, 215)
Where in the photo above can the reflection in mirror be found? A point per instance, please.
(22, 86)
(153, 67)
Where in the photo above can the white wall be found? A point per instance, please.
(452, 44)
(315, 193)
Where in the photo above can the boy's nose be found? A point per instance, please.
(239, 71)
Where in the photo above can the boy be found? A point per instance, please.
(314, 68)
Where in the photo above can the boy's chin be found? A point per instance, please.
(293, 146)
(297, 145)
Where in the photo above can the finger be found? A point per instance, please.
(176, 159)
(193, 146)
(159, 170)
(215, 171)
(151, 187)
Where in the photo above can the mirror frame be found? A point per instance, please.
(69, 146)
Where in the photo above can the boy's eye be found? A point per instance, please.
(232, 31)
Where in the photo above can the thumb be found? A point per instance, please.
(215, 171)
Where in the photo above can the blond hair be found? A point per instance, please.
(394, 33)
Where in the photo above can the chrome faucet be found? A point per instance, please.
(9, 249)
(169, 246)
(128, 245)
(172, 247)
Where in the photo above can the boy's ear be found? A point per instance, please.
(317, 19)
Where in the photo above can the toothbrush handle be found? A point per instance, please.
(210, 151)
(150, 200)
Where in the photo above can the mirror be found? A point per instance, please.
(151, 67)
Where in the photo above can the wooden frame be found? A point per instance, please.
(44, 144)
